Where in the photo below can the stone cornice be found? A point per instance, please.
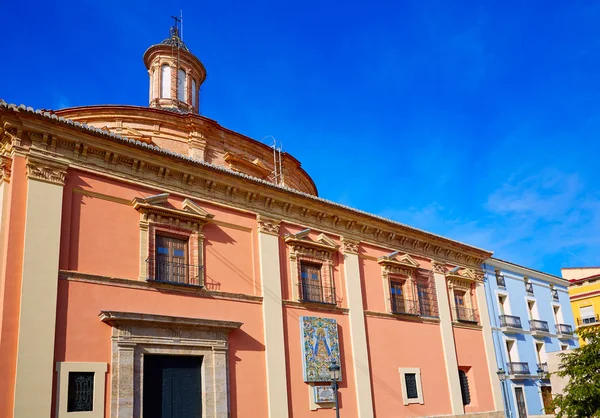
(116, 317)
(126, 161)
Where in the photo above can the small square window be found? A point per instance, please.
(80, 392)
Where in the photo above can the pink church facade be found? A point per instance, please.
(145, 245)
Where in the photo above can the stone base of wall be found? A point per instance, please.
(491, 414)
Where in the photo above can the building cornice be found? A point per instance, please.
(525, 271)
(107, 154)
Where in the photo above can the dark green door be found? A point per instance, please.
(172, 387)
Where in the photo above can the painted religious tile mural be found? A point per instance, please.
(324, 394)
(320, 347)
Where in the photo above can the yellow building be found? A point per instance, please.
(584, 292)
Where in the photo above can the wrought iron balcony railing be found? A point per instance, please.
(537, 325)
(500, 281)
(466, 315)
(166, 271)
(564, 329)
(517, 368)
(510, 321)
(543, 367)
(529, 288)
(555, 294)
(399, 305)
(588, 320)
(316, 293)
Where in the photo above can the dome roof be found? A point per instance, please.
(175, 40)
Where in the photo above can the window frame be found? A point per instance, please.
(417, 372)
(62, 388)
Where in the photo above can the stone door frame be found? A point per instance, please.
(137, 334)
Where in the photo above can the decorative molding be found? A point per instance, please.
(394, 261)
(50, 171)
(438, 267)
(191, 217)
(267, 225)
(118, 318)
(166, 170)
(350, 246)
(301, 240)
(5, 168)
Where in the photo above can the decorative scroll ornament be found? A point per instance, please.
(46, 170)
(396, 263)
(349, 246)
(267, 225)
(5, 168)
(438, 267)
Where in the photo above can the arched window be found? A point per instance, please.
(194, 93)
(181, 85)
(151, 85)
(165, 81)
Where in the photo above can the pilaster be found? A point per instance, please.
(270, 277)
(35, 351)
(448, 346)
(488, 341)
(358, 334)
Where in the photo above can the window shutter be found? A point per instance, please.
(464, 387)
(587, 311)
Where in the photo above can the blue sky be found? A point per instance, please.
(478, 121)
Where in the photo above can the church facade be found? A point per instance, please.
(156, 264)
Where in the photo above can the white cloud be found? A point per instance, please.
(545, 221)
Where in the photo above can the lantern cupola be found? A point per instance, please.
(175, 75)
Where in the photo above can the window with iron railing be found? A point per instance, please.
(537, 325)
(400, 305)
(543, 367)
(588, 320)
(427, 300)
(517, 368)
(311, 287)
(464, 314)
(173, 272)
(170, 263)
(564, 329)
(529, 288)
(500, 279)
(510, 321)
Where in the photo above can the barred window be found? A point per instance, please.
(411, 385)
(410, 380)
(80, 392)
(464, 387)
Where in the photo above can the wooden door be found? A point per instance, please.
(521, 408)
(172, 387)
(312, 290)
(171, 260)
(547, 399)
